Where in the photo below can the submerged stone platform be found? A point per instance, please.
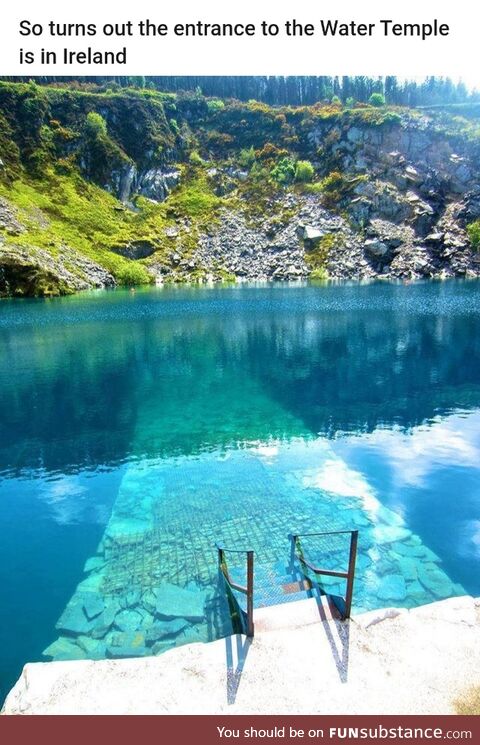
(392, 661)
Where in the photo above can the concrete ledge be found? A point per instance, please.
(386, 662)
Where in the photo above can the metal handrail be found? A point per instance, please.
(246, 590)
(349, 575)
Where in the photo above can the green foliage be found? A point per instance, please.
(317, 258)
(214, 105)
(336, 101)
(95, 125)
(333, 182)
(336, 187)
(377, 99)
(100, 155)
(247, 157)
(66, 209)
(473, 231)
(316, 188)
(284, 171)
(270, 153)
(217, 142)
(174, 126)
(304, 172)
(193, 199)
(195, 158)
(9, 152)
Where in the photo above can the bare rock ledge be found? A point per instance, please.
(392, 661)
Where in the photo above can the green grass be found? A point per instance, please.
(473, 231)
(65, 209)
(194, 199)
(316, 259)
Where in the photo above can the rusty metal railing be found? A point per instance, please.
(348, 574)
(245, 590)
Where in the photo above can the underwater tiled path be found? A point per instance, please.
(154, 584)
(138, 429)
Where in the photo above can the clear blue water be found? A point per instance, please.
(136, 429)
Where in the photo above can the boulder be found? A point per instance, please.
(127, 644)
(93, 648)
(128, 620)
(165, 629)
(102, 624)
(389, 534)
(73, 619)
(176, 602)
(434, 580)
(309, 234)
(64, 649)
(157, 184)
(392, 587)
(412, 175)
(93, 605)
(376, 248)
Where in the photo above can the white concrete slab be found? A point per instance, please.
(384, 663)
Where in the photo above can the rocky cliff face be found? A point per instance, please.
(406, 217)
(197, 193)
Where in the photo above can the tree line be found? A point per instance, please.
(292, 90)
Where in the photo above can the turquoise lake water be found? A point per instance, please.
(137, 429)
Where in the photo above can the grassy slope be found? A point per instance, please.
(67, 209)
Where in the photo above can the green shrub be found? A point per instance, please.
(214, 105)
(377, 99)
(195, 158)
(247, 157)
(174, 126)
(304, 172)
(317, 258)
(95, 125)
(473, 231)
(284, 171)
(101, 156)
(332, 182)
(270, 153)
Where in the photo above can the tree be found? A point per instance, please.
(377, 99)
(304, 171)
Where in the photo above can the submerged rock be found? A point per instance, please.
(434, 580)
(127, 644)
(93, 648)
(176, 602)
(390, 534)
(164, 629)
(93, 605)
(64, 649)
(392, 587)
(103, 623)
(128, 620)
(73, 619)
